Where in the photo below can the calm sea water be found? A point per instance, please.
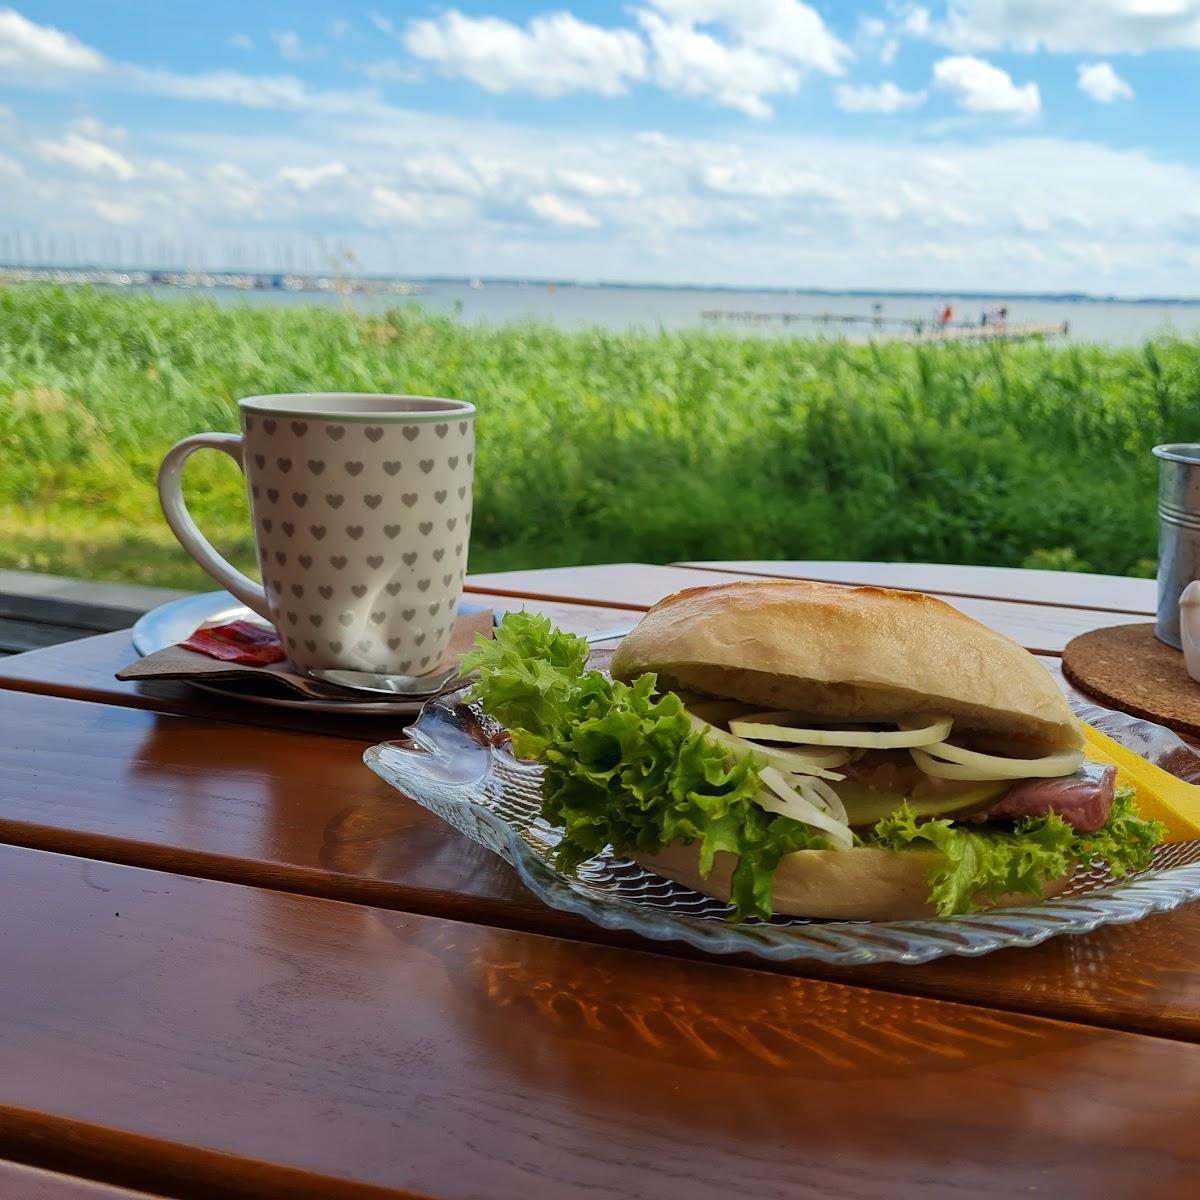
(578, 306)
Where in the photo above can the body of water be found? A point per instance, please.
(577, 306)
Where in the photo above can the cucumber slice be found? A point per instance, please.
(865, 806)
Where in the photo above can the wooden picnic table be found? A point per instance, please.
(236, 963)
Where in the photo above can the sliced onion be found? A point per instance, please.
(788, 802)
(830, 798)
(759, 726)
(944, 761)
(792, 761)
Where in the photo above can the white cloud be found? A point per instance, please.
(554, 54)
(92, 127)
(27, 48)
(392, 70)
(694, 63)
(1072, 26)
(338, 27)
(304, 179)
(785, 29)
(382, 23)
(390, 207)
(288, 43)
(1102, 83)
(119, 212)
(884, 98)
(554, 210)
(587, 183)
(10, 166)
(430, 193)
(87, 155)
(980, 87)
(736, 177)
(766, 48)
(241, 41)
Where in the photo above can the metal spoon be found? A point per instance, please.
(406, 687)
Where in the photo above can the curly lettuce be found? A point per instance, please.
(981, 862)
(623, 766)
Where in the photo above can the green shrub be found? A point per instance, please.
(600, 446)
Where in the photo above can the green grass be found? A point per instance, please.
(598, 446)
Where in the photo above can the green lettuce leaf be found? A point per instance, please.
(623, 766)
(978, 861)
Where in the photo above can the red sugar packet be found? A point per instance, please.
(238, 642)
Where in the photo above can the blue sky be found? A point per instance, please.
(1018, 144)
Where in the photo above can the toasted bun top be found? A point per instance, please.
(847, 652)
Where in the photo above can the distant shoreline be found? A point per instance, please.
(387, 281)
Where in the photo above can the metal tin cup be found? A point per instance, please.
(1178, 532)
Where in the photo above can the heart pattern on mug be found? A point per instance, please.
(424, 571)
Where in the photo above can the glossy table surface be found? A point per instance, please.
(238, 964)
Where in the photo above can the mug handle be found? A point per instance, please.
(170, 495)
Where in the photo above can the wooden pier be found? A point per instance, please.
(905, 329)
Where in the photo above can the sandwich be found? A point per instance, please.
(813, 750)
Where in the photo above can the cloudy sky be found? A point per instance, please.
(1018, 144)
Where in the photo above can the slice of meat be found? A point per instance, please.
(1084, 800)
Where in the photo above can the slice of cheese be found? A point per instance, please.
(1159, 794)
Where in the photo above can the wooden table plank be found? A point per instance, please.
(86, 669)
(288, 811)
(1070, 589)
(269, 807)
(255, 1043)
(20, 1182)
(1043, 629)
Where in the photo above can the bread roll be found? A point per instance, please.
(864, 884)
(848, 652)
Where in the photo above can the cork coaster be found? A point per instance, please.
(1128, 668)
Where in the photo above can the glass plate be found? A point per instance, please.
(456, 763)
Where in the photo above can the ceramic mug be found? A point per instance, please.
(361, 507)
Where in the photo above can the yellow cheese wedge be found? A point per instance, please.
(1159, 794)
